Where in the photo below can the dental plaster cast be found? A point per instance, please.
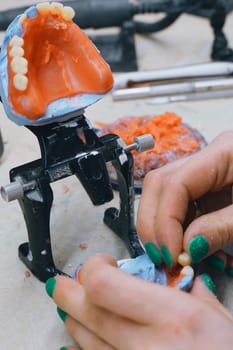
(49, 67)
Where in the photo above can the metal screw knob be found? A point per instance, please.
(141, 143)
(15, 190)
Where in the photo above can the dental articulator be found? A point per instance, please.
(69, 145)
(46, 89)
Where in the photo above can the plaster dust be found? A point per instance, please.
(28, 318)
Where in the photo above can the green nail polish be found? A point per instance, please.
(229, 271)
(50, 286)
(209, 283)
(198, 248)
(153, 253)
(215, 262)
(62, 314)
(64, 348)
(166, 256)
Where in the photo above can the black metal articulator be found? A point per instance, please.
(68, 148)
(119, 49)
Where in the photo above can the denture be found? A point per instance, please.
(49, 67)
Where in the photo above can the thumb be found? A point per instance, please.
(209, 233)
(204, 288)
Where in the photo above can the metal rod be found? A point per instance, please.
(191, 97)
(175, 88)
(203, 70)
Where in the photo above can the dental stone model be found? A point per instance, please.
(48, 66)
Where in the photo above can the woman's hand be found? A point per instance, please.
(112, 310)
(187, 205)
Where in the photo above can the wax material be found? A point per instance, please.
(65, 70)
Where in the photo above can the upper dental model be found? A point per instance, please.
(48, 66)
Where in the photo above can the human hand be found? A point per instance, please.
(167, 202)
(112, 310)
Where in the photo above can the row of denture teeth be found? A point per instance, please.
(56, 8)
(19, 64)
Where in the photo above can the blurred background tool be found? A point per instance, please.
(118, 49)
(191, 97)
(199, 81)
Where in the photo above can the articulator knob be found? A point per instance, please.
(141, 143)
(16, 190)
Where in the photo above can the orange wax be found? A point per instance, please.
(167, 130)
(173, 275)
(62, 62)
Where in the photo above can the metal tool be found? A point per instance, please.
(191, 97)
(206, 79)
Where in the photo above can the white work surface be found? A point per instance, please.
(28, 318)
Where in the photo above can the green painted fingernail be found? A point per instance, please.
(167, 257)
(207, 280)
(198, 248)
(62, 314)
(229, 271)
(153, 252)
(50, 286)
(215, 262)
(64, 348)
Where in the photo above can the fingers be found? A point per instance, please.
(229, 266)
(217, 261)
(204, 289)
(83, 318)
(168, 191)
(211, 168)
(150, 222)
(147, 209)
(86, 339)
(117, 311)
(101, 322)
(130, 290)
(220, 261)
(209, 233)
(135, 297)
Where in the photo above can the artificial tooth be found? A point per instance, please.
(187, 271)
(19, 65)
(56, 8)
(68, 13)
(184, 259)
(16, 41)
(43, 8)
(20, 82)
(22, 19)
(16, 51)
